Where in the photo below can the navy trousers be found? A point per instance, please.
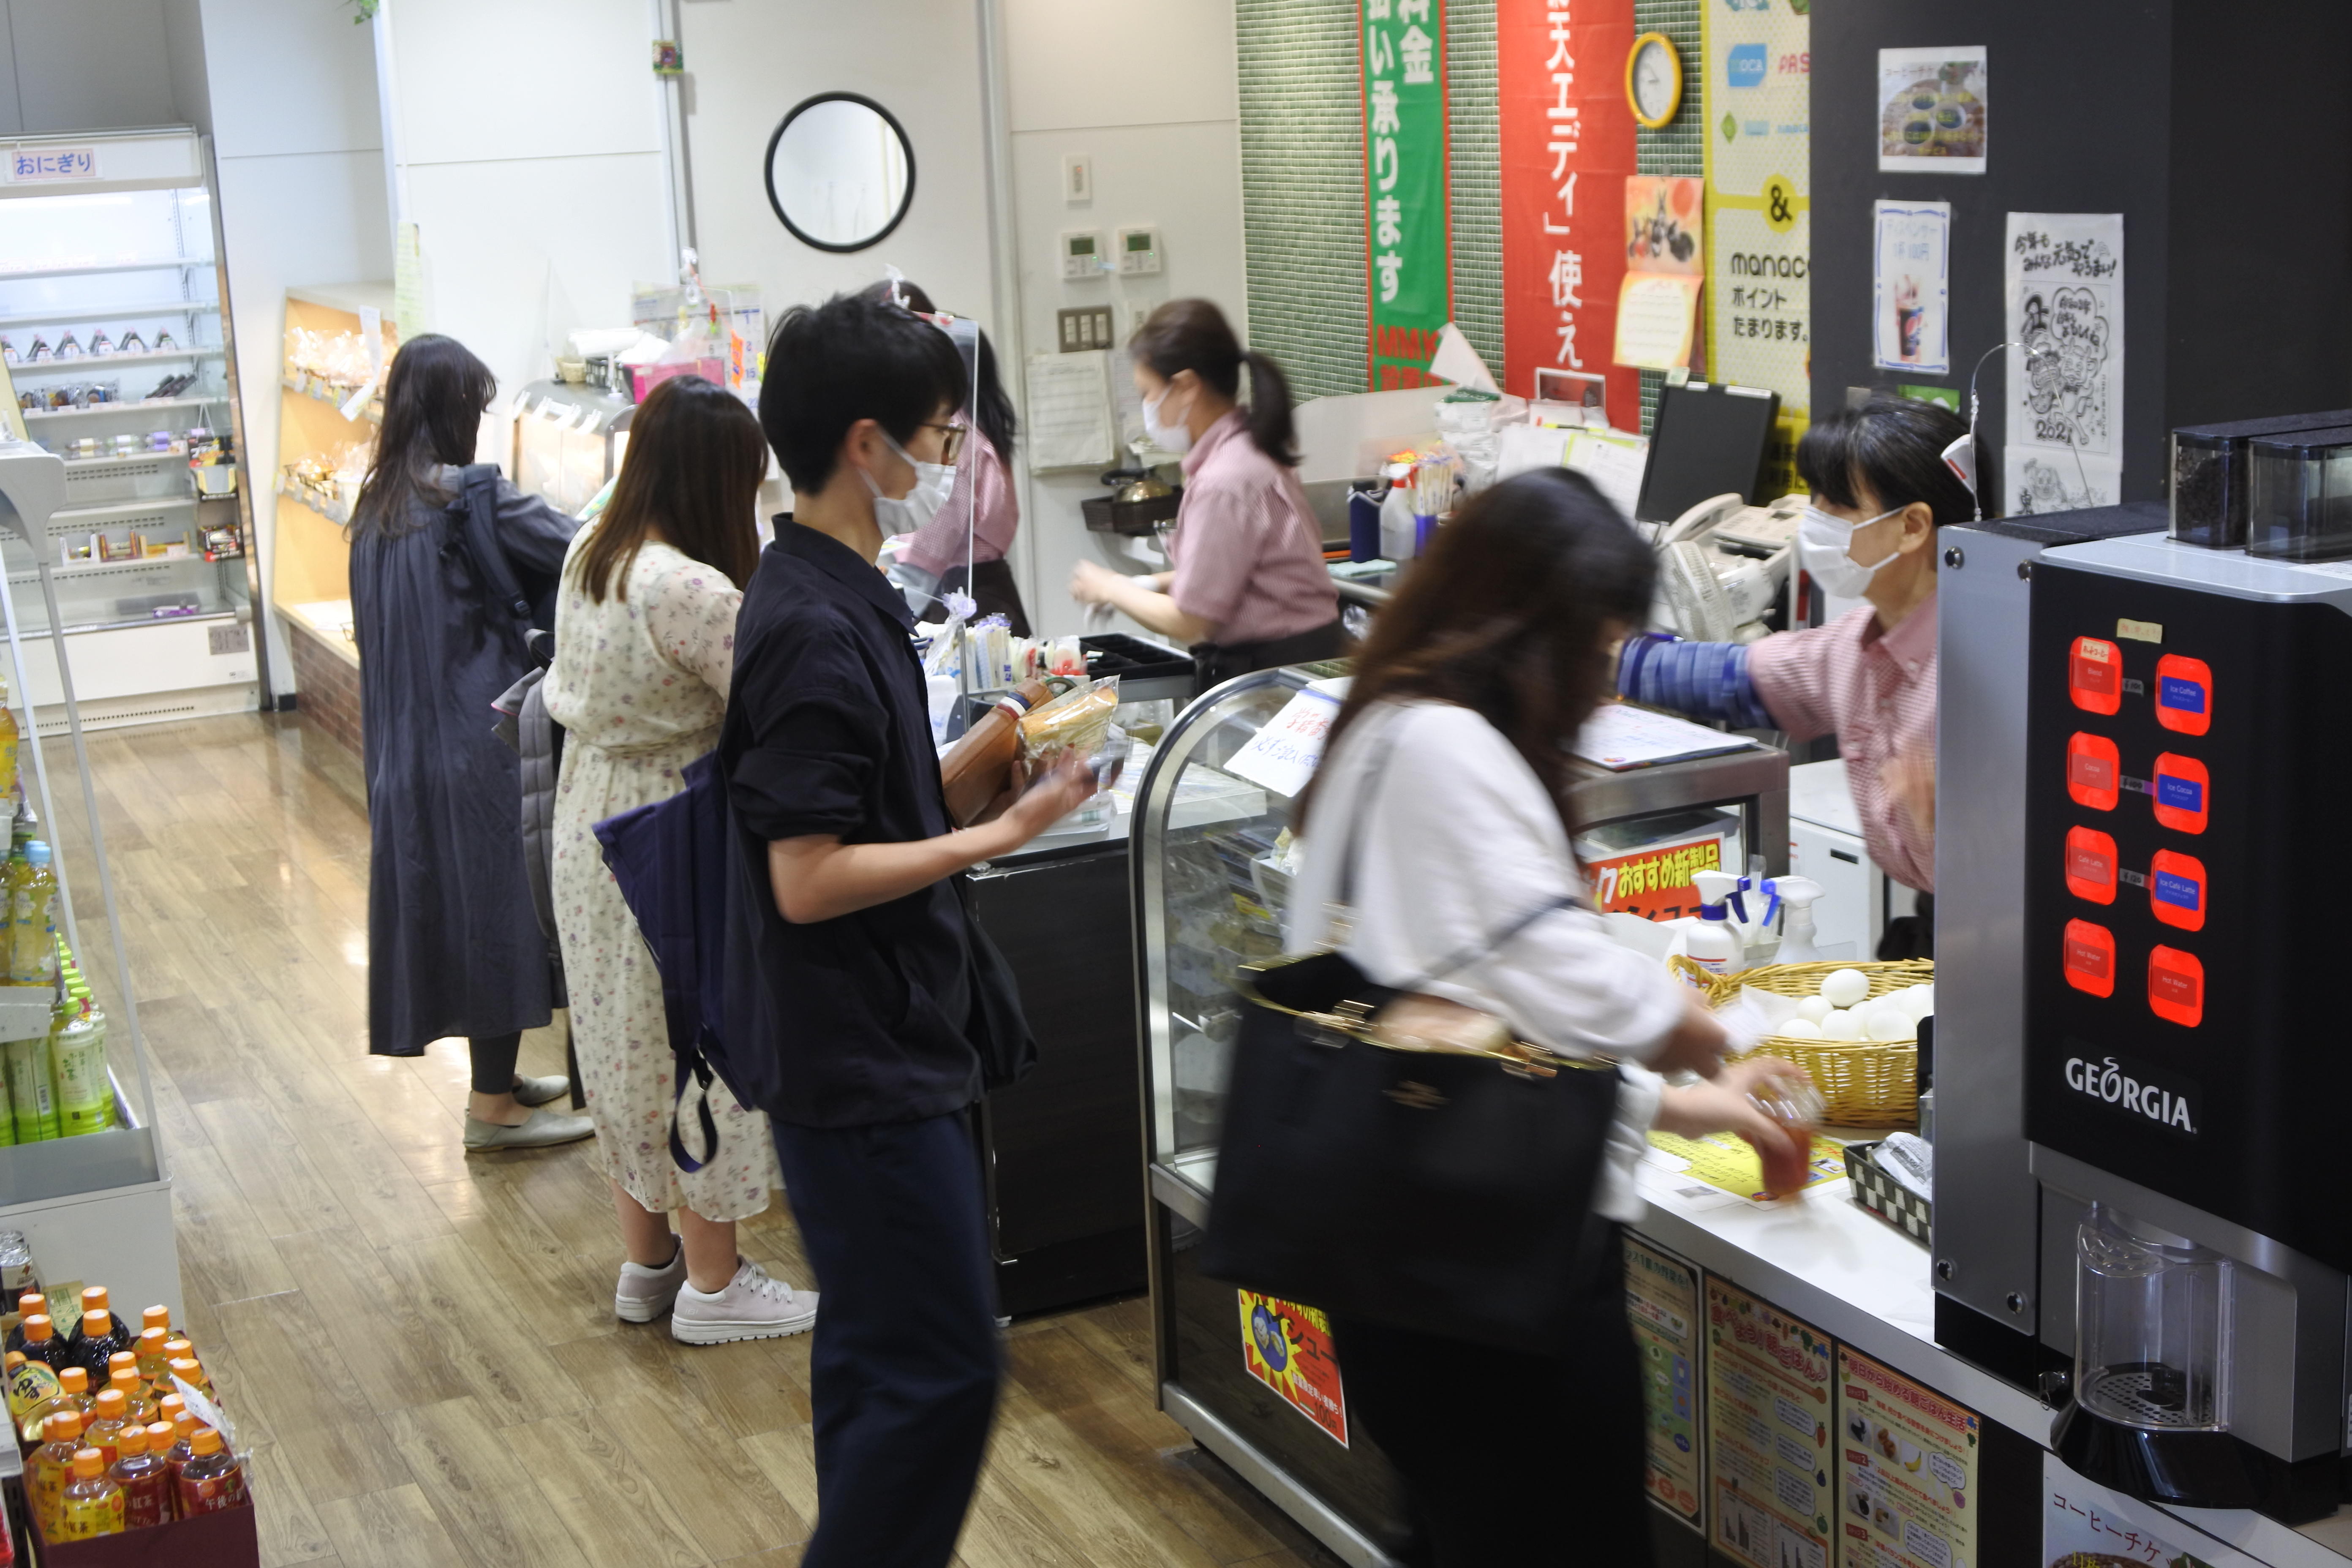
(904, 1365)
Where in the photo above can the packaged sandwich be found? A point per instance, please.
(1075, 724)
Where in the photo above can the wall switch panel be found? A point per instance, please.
(1086, 327)
(1139, 251)
(1077, 179)
(1082, 254)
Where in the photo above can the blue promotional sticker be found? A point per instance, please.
(2187, 696)
(2181, 795)
(2175, 889)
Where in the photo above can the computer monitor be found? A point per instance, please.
(1706, 439)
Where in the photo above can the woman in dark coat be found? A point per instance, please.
(454, 943)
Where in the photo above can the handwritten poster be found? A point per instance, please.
(1287, 1347)
(1933, 116)
(1758, 60)
(1908, 1498)
(1283, 755)
(1661, 1298)
(2064, 274)
(1768, 1433)
(2084, 1524)
(1912, 275)
(1666, 264)
(1567, 149)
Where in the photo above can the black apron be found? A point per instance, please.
(1219, 662)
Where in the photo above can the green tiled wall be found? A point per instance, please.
(1473, 120)
(1302, 133)
(1680, 147)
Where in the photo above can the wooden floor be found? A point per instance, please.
(421, 1343)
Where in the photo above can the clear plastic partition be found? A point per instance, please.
(1210, 899)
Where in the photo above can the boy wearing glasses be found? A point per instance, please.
(849, 958)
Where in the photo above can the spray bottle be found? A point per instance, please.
(1713, 944)
(1797, 945)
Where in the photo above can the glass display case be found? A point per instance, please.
(113, 329)
(1210, 898)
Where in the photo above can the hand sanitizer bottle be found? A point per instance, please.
(1797, 945)
(1713, 944)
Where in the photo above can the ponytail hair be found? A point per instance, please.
(1193, 334)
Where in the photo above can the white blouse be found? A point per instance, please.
(1461, 840)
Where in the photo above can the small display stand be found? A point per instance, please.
(98, 1206)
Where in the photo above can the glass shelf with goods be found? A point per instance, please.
(320, 455)
(61, 1191)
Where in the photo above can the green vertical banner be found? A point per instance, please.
(1409, 281)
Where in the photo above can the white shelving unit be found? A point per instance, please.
(134, 247)
(98, 1206)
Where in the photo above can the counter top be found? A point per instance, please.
(1823, 1259)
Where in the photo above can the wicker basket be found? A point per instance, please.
(1866, 1084)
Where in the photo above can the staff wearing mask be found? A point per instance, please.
(978, 514)
(1250, 590)
(1880, 489)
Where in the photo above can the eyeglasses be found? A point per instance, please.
(952, 439)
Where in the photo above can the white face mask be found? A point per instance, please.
(1822, 541)
(908, 513)
(1176, 439)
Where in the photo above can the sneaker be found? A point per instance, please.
(645, 1294)
(753, 1307)
(544, 1130)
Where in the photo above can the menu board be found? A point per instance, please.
(1768, 1433)
(1662, 1299)
(1909, 1499)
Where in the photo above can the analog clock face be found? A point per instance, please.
(1653, 80)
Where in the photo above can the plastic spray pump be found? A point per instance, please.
(1797, 945)
(1714, 944)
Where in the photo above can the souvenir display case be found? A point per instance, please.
(338, 336)
(114, 332)
(1251, 1378)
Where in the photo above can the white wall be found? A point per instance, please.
(1146, 89)
(748, 62)
(291, 97)
(527, 148)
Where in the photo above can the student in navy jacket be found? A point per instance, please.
(856, 971)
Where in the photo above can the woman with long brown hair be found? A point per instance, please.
(454, 943)
(1445, 780)
(645, 647)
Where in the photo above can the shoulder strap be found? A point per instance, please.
(1361, 808)
(476, 508)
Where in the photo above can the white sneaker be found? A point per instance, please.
(753, 1307)
(645, 1294)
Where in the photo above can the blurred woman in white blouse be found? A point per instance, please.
(1448, 770)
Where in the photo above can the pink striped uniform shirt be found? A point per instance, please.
(1877, 692)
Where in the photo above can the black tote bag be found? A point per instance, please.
(1442, 1193)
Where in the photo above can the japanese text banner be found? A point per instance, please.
(1567, 149)
(1408, 274)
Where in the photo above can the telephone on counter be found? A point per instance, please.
(1723, 565)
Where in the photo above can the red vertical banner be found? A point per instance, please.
(1567, 148)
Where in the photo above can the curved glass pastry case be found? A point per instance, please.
(1253, 1379)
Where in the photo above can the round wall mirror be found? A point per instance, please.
(840, 172)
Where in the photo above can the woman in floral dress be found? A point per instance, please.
(645, 643)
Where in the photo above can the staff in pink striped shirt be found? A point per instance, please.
(1880, 491)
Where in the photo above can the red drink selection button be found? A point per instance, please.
(2093, 767)
(2095, 675)
(2090, 958)
(2091, 864)
(2176, 986)
(2175, 889)
(2184, 694)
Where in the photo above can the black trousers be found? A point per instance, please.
(903, 1365)
(1217, 663)
(1512, 1460)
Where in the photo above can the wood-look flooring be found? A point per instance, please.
(420, 1342)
